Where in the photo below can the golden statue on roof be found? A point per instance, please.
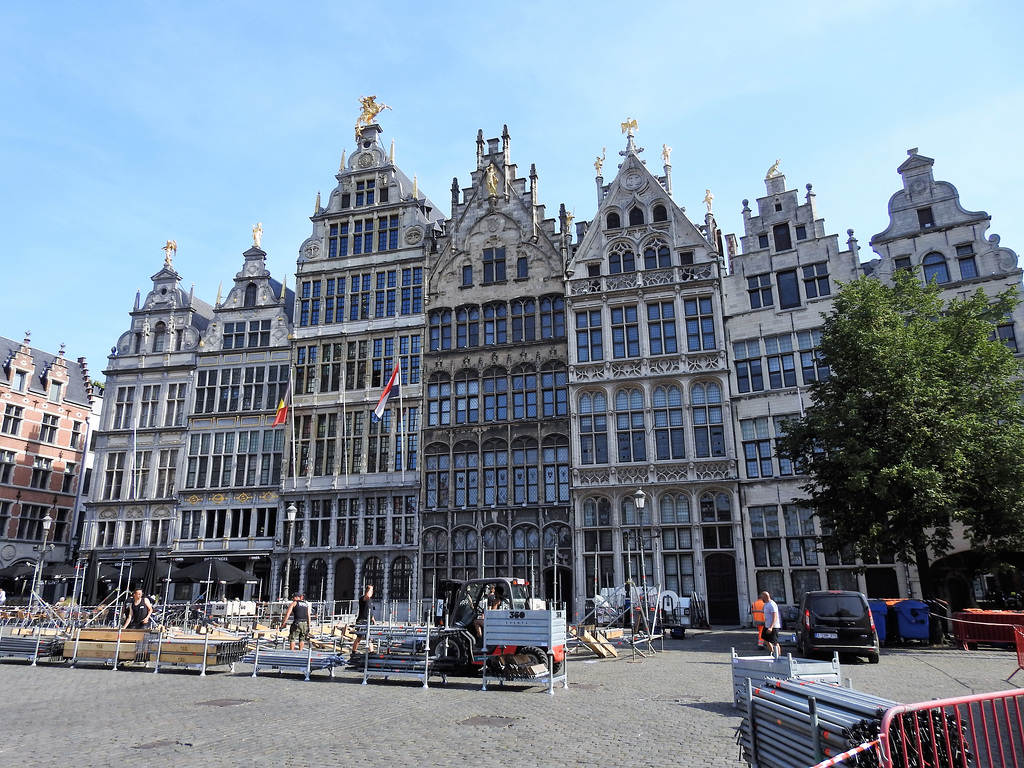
(774, 170)
(170, 250)
(599, 163)
(629, 126)
(257, 234)
(370, 111)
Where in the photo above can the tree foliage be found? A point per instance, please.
(920, 424)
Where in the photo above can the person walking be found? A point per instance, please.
(363, 618)
(772, 624)
(299, 610)
(138, 612)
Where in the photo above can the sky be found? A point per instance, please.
(126, 124)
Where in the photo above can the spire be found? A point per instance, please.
(341, 168)
(415, 188)
(391, 154)
(505, 144)
(219, 288)
(480, 148)
(284, 288)
(455, 193)
(316, 210)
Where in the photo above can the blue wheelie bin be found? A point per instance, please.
(912, 620)
(879, 612)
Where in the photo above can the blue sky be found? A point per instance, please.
(125, 124)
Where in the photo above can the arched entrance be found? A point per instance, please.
(720, 580)
(558, 587)
(316, 580)
(344, 579)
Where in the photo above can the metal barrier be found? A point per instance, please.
(982, 731)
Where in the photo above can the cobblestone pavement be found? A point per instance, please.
(673, 708)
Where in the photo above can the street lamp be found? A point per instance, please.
(291, 511)
(41, 549)
(640, 501)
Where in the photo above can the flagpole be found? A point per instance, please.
(291, 389)
(401, 418)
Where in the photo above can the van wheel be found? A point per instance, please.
(872, 658)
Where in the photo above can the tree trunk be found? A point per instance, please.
(924, 573)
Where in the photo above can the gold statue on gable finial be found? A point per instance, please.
(666, 154)
(491, 178)
(370, 111)
(629, 126)
(599, 163)
(773, 171)
(257, 234)
(170, 250)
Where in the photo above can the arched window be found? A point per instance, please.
(556, 469)
(525, 471)
(467, 398)
(554, 385)
(706, 411)
(715, 508)
(495, 540)
(495, 454)
(621, 259)
(614, 222)
(657, 255)
(401, 579)
(467, 475)
(636, 217)
(495, 324)
(373, 573)
(495, 395)
(437, 476)
(593, 429)
(159, 337)
(629, 425)
(524, 320)
(935, 268)
(467, 324)
(675, 509)
(552, 318)
(464, 553)
(597, 512)
(524, 393)
(440, 329)
(439, 400)
(660, 213)
(669, 435)
(250, 295)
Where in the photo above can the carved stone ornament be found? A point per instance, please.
(312, 251)
(633, 181)
(366, 159)
(413, 235)
(108, 514)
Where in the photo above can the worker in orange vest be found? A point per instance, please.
(758, 610)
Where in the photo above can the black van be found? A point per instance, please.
(836, 621)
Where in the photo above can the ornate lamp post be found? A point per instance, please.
(41, 549)
(291, 511)
(640, 500)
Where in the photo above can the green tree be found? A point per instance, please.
(919, 425)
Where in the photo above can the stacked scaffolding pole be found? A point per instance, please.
(794, 724)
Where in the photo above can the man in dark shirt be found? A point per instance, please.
(299, 611)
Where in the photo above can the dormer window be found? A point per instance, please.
(20, 381)
(925, 218)
(250, 295)
(54, 393)
(614, 222)
(636, 217)
(660, 213)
